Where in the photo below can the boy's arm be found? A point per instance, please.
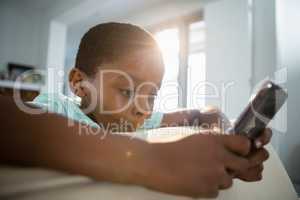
(46, 140)
(208, 118)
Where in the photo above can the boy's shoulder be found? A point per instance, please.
(63, 105)
(70, 108)
(55, 102)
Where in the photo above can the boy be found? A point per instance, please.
(117, 74)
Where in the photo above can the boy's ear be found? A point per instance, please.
(76, 78)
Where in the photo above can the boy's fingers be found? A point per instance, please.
(238, 144)
(235, 163)
(253, 174)
(226, 181)
(264, 138)
(238, 165)
(258, 157)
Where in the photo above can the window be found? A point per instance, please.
(168, 96)
(183, 48)
(196, 66)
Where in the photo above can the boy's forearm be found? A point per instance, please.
(181, 118)
(208, 117)
(45, 140)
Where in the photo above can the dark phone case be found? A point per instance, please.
(260, 111)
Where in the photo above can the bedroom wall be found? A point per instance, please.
(31, 35)
(23, 35)
(228, 55)
(288, 30)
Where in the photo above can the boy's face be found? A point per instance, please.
(121, 96)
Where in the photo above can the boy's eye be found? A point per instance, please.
(127, 92)
(151, 98)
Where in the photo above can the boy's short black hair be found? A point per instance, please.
(110, 42)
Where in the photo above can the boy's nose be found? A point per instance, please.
(145, 113)
(142, 109)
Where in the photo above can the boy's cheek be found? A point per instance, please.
(114, 103)
(120, 111)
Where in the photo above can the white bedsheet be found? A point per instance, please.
(32, 183)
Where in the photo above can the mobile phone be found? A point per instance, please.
(260, 110)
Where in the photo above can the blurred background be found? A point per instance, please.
(215, 51)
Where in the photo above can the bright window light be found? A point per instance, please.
(196, 66)
(168, 41)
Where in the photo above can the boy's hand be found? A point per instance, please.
(198, 165)
(256, 158)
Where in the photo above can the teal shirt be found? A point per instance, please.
(68, 107)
